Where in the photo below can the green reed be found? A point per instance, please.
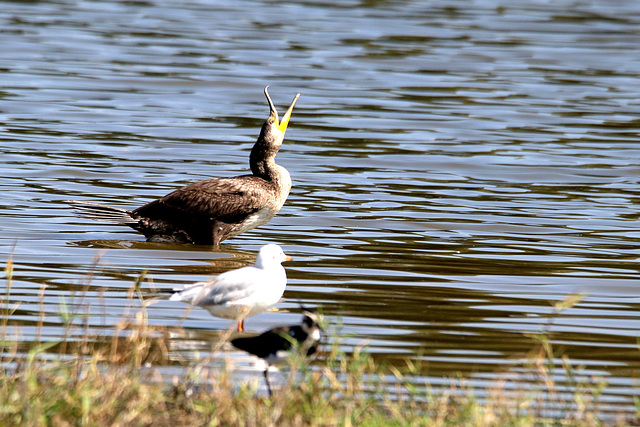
(110, 377)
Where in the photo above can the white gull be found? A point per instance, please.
(241, 293)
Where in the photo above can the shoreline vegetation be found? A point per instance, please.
(110, 377)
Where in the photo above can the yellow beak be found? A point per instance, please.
(282, 126)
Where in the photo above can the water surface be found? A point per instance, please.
(458, 168)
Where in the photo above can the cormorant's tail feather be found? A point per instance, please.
(102, 212)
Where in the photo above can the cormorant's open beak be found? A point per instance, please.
(282, 126)
(287, 116)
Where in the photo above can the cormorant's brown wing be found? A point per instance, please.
(217, 198)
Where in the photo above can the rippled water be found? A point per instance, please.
(458, 167)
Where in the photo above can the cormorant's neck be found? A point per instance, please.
(263, 161)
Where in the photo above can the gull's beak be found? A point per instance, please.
(282, 126)
(287, 258)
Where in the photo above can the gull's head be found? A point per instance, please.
(271, 255)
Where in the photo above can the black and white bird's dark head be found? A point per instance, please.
(311, 325)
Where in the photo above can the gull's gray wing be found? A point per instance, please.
(229, 287)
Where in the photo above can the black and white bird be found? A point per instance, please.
(276, 345)
(241, 293)
(210, 211)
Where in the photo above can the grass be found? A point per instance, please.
(111, 378)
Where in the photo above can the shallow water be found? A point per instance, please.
(458, 168)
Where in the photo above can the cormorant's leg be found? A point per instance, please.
(216, 233)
